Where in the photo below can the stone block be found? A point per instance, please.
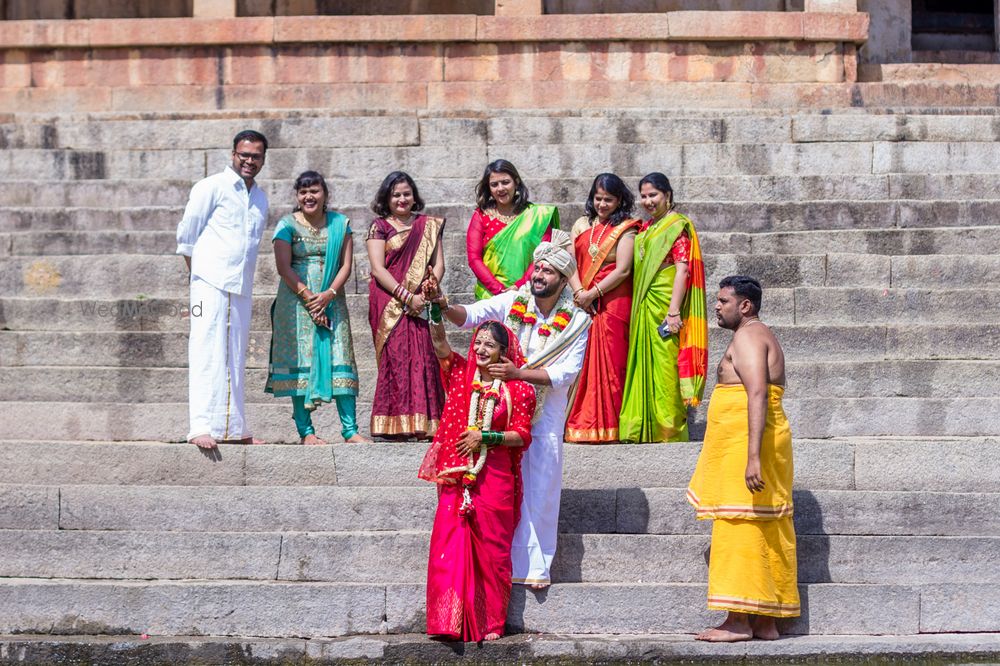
(954, 341)
(605, 128)
(567, 27)
(774, 272)
(943, 271)
(232, 608)
(144, 464)
(44, 33)
(180, 31)
(43, 100)
(861, 127)
(896, 377)
(840, 27)
(858, 270)
(565, 160)
(959, 608)
(914, 214)
(707, 26)
(584, 511)
(28, 507)
(886, 512)
(895, 560)
(214, 9)
(292, 466)
(953, 157)
(138, 555)
(896, 306)
(358, 557)
(777, 159)
(363, 30)
(943, 186)
(869, 417)
(639, 559)
(645, 465)
(928, 465)
(751, 129)
(856, 609)
(379, 464)
(781, 188)
(453, 132)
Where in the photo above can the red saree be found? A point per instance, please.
(469, 566)
(594, 414)
(408, 392)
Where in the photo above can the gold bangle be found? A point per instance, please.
(333, 292)
(599, 290)
(301, 289)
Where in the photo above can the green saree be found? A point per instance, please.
(508, 253)
(653, 406)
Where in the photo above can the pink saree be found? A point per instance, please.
(469, 567)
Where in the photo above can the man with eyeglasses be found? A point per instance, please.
(218, 237)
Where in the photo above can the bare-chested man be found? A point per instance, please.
(743, 480)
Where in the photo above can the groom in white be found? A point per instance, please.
(553, 335)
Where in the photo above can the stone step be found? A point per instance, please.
(807, 379)
(583, 511)
(450, 191)
(806, 306)
(280, 609)
(893, 463)
(400, 557)
(108, 275)
(840, 244)
(144, 349)
(516, 648)
(708, 215)
(811, 417)
(292, 129)
(534, 160)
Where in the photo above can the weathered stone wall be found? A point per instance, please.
(466, 62)
(87, 9)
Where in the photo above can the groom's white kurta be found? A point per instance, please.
(541, 469)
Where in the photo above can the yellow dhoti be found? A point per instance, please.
(752, 567)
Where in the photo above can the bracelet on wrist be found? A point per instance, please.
(492, 438)
(301, 289)
(600, 291)
(673, 314)
(578, 291)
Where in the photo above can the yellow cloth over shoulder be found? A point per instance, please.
(717, 488)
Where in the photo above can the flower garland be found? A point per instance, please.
(480, 418)
(520, 316)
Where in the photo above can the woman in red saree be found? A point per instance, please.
(476, 460)
(603, 240)
(404, 248)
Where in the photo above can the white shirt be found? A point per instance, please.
(221, 231)
(566, 367)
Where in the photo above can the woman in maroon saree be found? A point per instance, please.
(469, 566)
(404, 249)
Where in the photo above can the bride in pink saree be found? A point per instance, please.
(476, 460)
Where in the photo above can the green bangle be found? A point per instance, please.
(492, 438)
(435, 313)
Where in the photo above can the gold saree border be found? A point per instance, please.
(755, 606)
(403, 424)
(591, 435)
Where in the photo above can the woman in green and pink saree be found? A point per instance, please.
(505, 230)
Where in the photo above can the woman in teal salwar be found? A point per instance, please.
(312, 355)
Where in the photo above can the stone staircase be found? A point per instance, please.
(873, 233)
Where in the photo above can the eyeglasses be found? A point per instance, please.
(251, 157)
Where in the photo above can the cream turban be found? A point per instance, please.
(556, 253)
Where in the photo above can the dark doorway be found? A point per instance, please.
(953, 25)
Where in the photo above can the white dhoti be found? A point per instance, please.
(217, 352)
(534, 543)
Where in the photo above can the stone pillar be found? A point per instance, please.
(518, 8)
(214, 8)
(890, 32)
(838, 6)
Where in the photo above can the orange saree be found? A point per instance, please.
(593, 418)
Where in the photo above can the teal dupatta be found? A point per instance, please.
(320, 387)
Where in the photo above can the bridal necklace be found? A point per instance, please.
(595, 247)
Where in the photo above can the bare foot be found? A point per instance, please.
(764, 628)
(356, 438)
(313, 440)
(735, 628)
(491, 636)
(539, 586)
(204, 442)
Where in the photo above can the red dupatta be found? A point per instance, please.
(459, 376)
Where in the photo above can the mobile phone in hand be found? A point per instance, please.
(664, 330)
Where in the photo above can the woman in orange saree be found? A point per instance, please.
(603, 240)
(476, 460)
